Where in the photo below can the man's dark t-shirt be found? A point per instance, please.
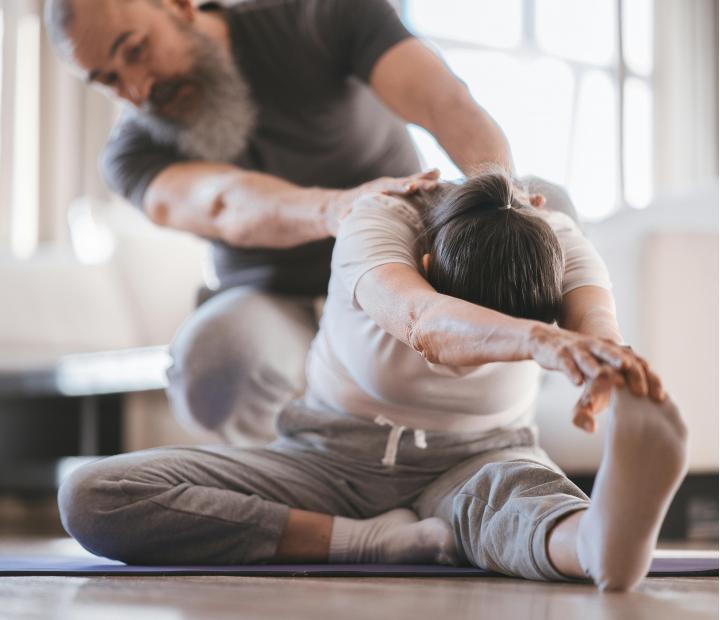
(307, 63)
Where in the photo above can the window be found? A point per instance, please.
(51, 130)
(569, 81)
(20, 126)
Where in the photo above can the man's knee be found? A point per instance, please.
(105, 504)
(240, 352)
(86, 500)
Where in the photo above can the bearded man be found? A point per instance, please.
(256, 125)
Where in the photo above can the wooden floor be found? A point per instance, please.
(301, 598)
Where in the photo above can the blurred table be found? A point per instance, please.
(90, 374)
(68, 407)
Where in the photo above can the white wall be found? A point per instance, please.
(54, 304)
(685, 93)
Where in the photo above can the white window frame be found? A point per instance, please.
(619, 73)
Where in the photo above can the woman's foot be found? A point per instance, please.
(395, 537)
(644, 461)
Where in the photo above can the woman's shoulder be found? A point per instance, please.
(392, 206)
(558, 221)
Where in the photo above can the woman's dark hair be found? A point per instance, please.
(489, 253)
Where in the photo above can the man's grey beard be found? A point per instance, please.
(220, 128)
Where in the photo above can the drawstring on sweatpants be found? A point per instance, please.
(394, 437)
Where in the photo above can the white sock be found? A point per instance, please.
(644, 461)
(395, 537)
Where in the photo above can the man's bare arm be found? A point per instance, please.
(243, 209)
(254, 209)
(415, 83)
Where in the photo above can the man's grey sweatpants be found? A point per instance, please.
(227, 505)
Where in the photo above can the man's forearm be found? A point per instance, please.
(417, 85)
(244, 209)
(469, 135)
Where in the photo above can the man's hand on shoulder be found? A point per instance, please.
(254, 209)
(340, 204)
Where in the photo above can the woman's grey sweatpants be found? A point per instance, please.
(227, 505)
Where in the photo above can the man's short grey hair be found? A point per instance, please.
(59, 15)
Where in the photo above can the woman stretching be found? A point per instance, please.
(414, 442)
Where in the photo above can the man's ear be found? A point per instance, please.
(426, 263)
(184, 9)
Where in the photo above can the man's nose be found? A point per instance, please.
(138, 88)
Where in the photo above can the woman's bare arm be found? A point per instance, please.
(591, 310)
(450, 331)
(454, 332)
(442, 329)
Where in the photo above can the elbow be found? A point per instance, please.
(244, 216)
(420, 338)
(236, 236)
(247, 228)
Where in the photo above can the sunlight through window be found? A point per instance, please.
(24, 234)
(638, 143)
(2, 43)
(484, 22)
(532, 101)
(582, 30)
(593, 179)
(432, 155)
(552, 85)
(638, 36)
(542, 130)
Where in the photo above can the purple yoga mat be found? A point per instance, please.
(16, 565)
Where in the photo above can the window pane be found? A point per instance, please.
(486, 22)
(26, 147)
(432, 155)
(593, 169)
(530, 99)
(582, 30)
(2, 43)
(638, 143)
(540, 134)
(638, 35)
